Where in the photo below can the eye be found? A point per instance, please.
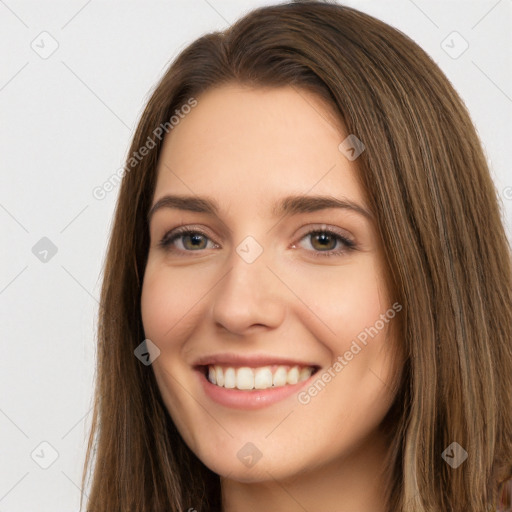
(191, 240)
(324, 241)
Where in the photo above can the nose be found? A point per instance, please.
(249, 296)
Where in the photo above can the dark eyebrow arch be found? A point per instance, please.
(288, 206)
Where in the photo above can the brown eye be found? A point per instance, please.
(190, 241)
(196, 241)
(325, 242)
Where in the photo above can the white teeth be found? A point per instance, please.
(263, 378)
(279, 378)
(229, 378)
(219, 376)
(293, 375)
(246, 378)
(211, 375)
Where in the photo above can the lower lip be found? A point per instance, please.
(250, 399)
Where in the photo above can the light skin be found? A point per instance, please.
(247, 149)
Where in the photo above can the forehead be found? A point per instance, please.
(254, 144)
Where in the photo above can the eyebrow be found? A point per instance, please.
(288, 206)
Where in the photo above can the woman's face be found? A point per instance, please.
(252, 298)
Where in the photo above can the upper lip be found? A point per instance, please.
(256, 360)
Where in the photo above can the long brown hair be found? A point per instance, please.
(449, 260)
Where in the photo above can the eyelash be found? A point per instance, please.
(170, 237)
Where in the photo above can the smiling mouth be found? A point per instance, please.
(245, 378)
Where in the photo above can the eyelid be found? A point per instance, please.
(343, 233)
(181, 230)
(348, 242)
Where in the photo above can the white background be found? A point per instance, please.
(66, 125)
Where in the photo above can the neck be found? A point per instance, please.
(354, 483)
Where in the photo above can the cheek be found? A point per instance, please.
(169, 315)
(169, 304)
(350, 300)
(158, 306)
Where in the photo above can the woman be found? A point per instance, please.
(307, 296)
